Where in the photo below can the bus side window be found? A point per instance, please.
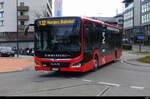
(98, 34)
(86, 38)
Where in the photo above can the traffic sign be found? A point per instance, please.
(140, 37)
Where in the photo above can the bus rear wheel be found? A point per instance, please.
(95, 64)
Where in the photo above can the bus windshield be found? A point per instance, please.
(58, 37)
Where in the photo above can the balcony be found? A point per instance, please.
(24, 17)
(23, 8)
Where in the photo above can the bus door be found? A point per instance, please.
(88, 40)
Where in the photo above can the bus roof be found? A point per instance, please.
(101, 22)
(58, 17)
(83, 18)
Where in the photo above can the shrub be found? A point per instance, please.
(144, 59)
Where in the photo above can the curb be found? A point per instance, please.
(12, 71)
(140, 64)
(18, 70)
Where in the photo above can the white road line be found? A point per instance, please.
(122, 61)
(109, 84)
(101, 93)
(136, 87)
(102, 83)
(112, 84)
(86, 80)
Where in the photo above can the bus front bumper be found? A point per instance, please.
(84, 68)
(78, 69)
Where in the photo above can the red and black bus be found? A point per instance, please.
(75, 44)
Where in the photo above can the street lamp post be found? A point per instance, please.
(17, 35)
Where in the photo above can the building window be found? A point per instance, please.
(146, 18)
(1, 5)
(146, 7)
(1, 22)
(128, 15)
(22, 22)
(21, 13)
(2, 14)
(142, 0)
(21, 3)
(143, 19)
(128, 24)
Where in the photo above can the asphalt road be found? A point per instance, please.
(114, 79)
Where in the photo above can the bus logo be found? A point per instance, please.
(55, 64)
(104, 38)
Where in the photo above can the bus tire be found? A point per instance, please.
(116, 57)
(95, 66)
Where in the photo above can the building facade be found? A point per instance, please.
(128, 19)
(137, 20)
(58, 8)
(145, 18)
(119, 19)
(16, 14)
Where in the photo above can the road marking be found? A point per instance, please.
(122, 61)
(86, 80)
(112, 84)
(109, 84)
(101, 93)
(136, 87)
(102, 83)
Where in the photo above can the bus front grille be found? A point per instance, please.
(55, 64)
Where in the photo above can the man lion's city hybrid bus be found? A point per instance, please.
(74, 44)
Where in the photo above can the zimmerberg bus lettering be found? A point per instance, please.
(44, 22)
(104, 38)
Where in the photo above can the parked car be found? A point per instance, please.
(26, 51)
(6, 52)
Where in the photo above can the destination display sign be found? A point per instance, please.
(50, 22)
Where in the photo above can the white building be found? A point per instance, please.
(28, 11)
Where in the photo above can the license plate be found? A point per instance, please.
(55, 69)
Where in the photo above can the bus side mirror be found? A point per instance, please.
(26, 30)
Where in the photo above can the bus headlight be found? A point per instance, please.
(77, 65)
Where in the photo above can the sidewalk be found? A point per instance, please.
(130, 57)
(8, 64)
(135, 62)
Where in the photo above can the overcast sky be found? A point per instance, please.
(103, 8)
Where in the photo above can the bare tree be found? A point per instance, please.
(44, 13)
